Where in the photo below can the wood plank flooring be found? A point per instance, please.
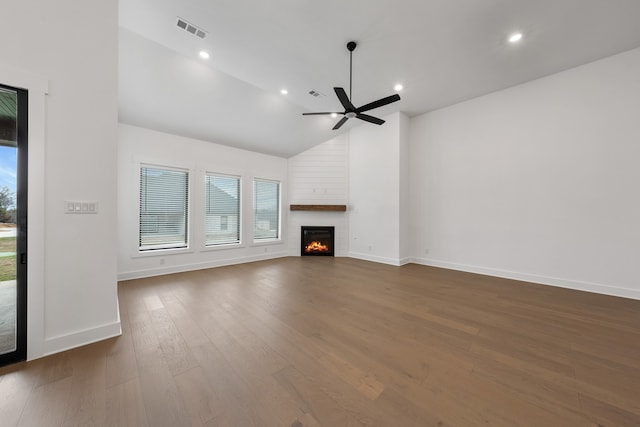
(308, 342)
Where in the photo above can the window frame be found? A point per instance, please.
(150, 251)
(267, 240)
(239, 242)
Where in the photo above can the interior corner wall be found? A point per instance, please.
(320, 176)
(538, 182)
(143, 146)
(72, 293)
(404, 192)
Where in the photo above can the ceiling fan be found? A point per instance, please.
(350, 111)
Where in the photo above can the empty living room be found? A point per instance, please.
(304, 214)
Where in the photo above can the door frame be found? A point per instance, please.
(22, 138)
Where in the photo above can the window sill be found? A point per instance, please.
(162, 252)
(266, 242)
(222, 247)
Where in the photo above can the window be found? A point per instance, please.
(266, 210)
(222, 209)
(164, 195)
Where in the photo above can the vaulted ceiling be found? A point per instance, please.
(441, 51)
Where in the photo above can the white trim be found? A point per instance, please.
(266, 242)
(37, 87)
(139, 274)
(222, 247)
(162, 252)
(534, 278)
(24, 79)
(77, 339)
(405, 261)
(382, 260)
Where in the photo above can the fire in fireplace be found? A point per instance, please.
(317, 241)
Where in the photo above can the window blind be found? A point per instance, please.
(266, 210)
(222, 209)
(164, 197)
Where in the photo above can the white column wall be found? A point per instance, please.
(70, 50)
(404, 191)
(374, 191)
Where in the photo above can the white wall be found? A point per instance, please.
(320, 176)
(376, 154)
(405, 232)
(138, 145)
(537, 182)
(71, 49)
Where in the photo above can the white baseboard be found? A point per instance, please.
(139, 274)
(80, 338)
(382, 260)
(405, 261)
(526, 277)
(533, 278)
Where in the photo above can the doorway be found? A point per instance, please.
(13, 223)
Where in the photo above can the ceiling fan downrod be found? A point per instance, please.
(351, 46)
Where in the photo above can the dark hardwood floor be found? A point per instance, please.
(307, 342)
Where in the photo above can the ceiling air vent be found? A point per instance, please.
(190, 28)
(316, 94)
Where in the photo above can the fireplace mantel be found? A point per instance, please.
(332, 208)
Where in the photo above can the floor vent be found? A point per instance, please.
(190, 28)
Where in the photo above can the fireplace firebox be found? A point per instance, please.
(317, 241)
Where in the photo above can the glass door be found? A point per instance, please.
(13, 140)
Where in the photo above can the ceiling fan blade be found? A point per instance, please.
(340, 123)
(370, 119)
(344, 99)
(317, 114)
(378, 103)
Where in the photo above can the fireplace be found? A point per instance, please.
(317, 241)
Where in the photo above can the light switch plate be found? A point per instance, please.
(81, 206)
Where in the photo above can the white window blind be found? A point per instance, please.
(222, 209)
(266, 210)
(164, 198)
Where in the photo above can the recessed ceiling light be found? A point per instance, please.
(284, 91)
(204, 54)
(515, 37)
(398, 87)
(334, 115)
